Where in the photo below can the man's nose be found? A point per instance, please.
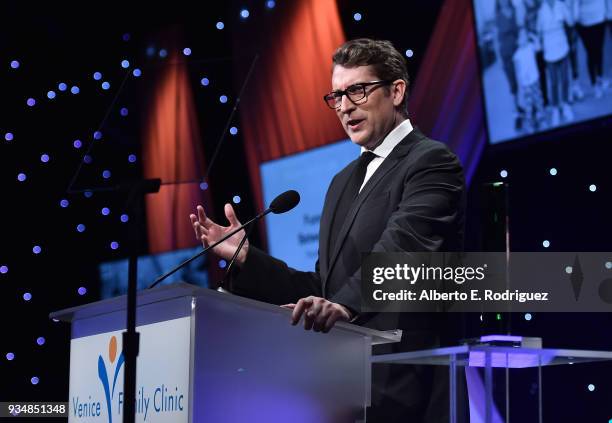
(346, 105)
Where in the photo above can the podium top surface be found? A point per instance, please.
(498, 357)
(184, 290)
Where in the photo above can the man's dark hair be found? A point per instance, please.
(388, 63)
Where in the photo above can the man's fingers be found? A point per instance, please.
(202, 218)
(299, 309)
(230, 214)
(331, 321)
(320, 318)
(289, 306)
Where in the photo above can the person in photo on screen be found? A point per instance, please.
(576, 92)
(553, 16)
(528, 78)
(405, 193)
(591, 20)
(531, 25)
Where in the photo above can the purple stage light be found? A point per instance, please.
(40, 340)
(82, 290)
(88, 194)
(270, 4)
(105, 211)
(14, 64)
(21, 177)
(236, 199)
(223, 99)
(44, 158)
(64, 203)
(105, 85)
(163, 53)
(124, 218)
(106, 174)
(75, 90)
(31, 102)
(34, 380)
(205, 81)
(8, 136)
(187, 51)
(114, 245)
(220, 25)
(77, 144)
(27, 296)
(357, 16)
(62, 86)
(222, 264)
(244, 13)
(87, 159)
(125, 64)
(136, 72)
(233, 130)
(126, 37)
(80, 227)
(10, 356)
(97, 76)
(132, 158)
(203, 186)
(36, 249)
(124, 111)
(3, 269)
(51, 95)
(97, 135)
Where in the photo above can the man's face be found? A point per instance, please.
(368, 121)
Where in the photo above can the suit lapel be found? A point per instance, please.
(387, 165)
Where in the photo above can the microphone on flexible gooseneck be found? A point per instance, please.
(281, 204)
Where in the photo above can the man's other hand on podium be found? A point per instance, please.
(319, 314)
(209, 232)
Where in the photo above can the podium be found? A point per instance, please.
(489, 358)
(207, 356)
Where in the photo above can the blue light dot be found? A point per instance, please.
(409, 53)
(97, 135)
(97, 76)
(114, 245)
(150, 51)
(51, 95)
(14, 64)
(31, 102)
(27, 296)
(203, 186)
(132, 158)
(608, 265)
(21, 177)
(244, 13)
(223, 99)
(80, 227)
(126, 36)
(220, 25)
(236, 199)
(528, 316)
(88, 194)
(87, 159)
(205, 81)
(44, 158)
(82, 290)
(105, 211)
(553, 171)
(8, 136)
(187, 51)
(591, 387)
(3, 269)
(546, 243)
(40, 340)
(34, 380)
(106, 174)
(105, 85)
(125, 64)
(77, 144)
(569, 270)
(503, 173)
(357, 16)
(64, 203)
(36, 249)
(222, 264)
(592, 187)
(75, 90)
(233, 130)
(163, 53)
(136, 72)
(124, 111)
(270, 4)
(10, 356)
(124, 218)
(62, 86)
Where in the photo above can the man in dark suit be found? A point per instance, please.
(404, 194)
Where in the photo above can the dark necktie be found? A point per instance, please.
(351, 191)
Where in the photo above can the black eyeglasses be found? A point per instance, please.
(355, 93)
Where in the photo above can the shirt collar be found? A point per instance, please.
(392, 139)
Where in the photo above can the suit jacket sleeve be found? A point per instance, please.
(429, 210)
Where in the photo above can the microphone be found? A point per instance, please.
(281, 204)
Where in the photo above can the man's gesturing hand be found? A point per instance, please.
(320, 314)
(209, 232)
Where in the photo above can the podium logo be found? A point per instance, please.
(104, 372)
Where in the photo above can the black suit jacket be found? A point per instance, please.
(413, 202)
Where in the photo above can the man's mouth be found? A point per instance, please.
(354, 123)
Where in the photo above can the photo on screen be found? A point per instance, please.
(545, 64)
